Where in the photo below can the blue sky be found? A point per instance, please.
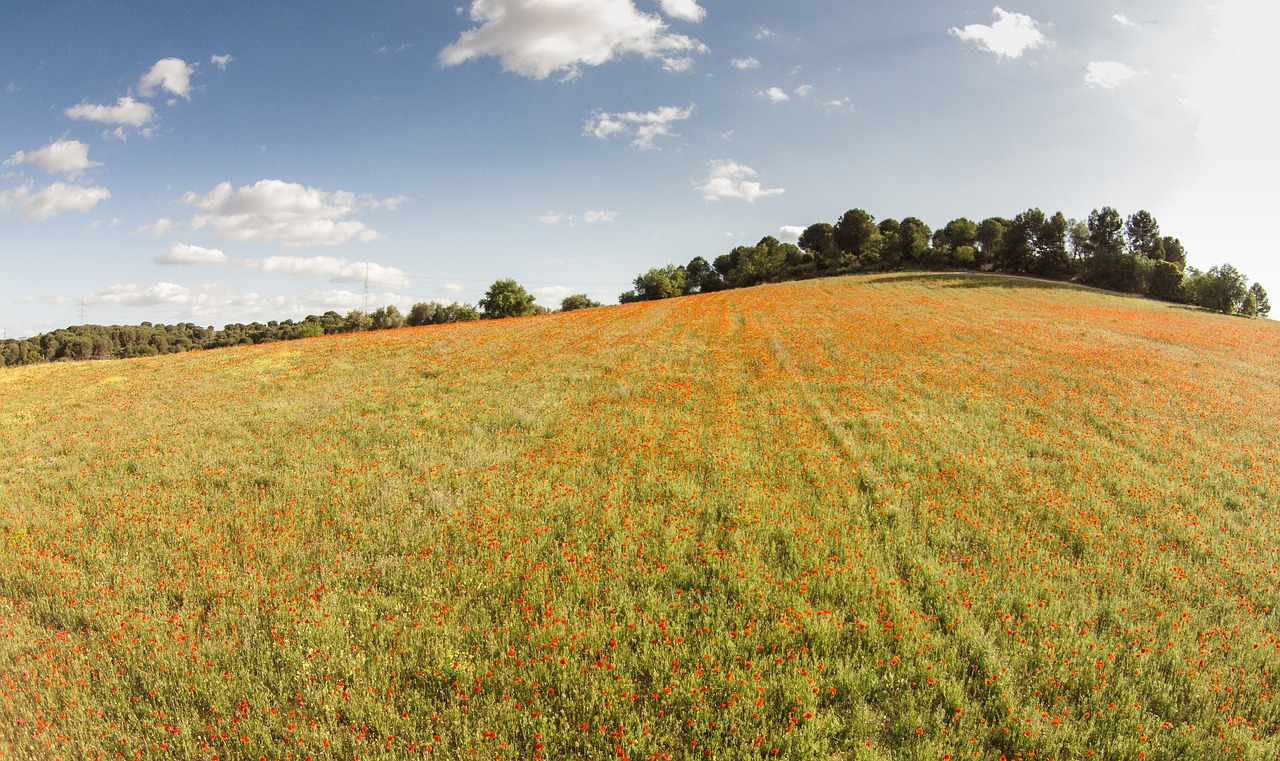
(230, 162)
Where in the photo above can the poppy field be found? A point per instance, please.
(876, 517)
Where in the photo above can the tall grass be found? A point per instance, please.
(878, 517)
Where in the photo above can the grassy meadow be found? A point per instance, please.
(880, 517)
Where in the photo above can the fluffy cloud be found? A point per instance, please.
(126, 111)
(551, 292)
(334, 268)
(132, 295)
(221, 61)
(775, 94)
(69, 157)
(1009, 37)
(160, 228)
(291, 214)
(53, 200)
(1107, 74)
(591, 217)
(646, 127)
(1123, 20)
(171, 74)
(181, 253)
(790, 233)
(743, 64)
(685, 10)
(729, 179)
(537, 38)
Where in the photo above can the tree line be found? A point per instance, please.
(1129, 255)
(505, 298)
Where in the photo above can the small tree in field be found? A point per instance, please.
(576, 301)
(506, 298)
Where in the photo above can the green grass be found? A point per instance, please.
(875, 517)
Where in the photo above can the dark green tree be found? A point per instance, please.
(855, 232)
(576, 301)
(1261, 303)
(701, 277)
(506, 298)
(1143, 235)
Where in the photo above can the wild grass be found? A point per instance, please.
(875, 517)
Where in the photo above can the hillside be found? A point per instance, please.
(897, 516)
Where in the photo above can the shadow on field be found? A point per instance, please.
(979, 280)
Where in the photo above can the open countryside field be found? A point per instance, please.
(902, 516)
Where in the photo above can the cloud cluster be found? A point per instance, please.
(69, 157)
(729, 179)
(334, 268)
(52, 200)
(646, 126)
(170, 74)
(126, 112)
(1107, 75)
(293, 215)
(536, 38)
(1009, 37)
(183, 254)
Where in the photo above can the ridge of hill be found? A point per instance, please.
(896, 516)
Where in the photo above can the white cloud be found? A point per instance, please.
(273, 210)
(551, 292)
(160, 228)
(646, 127)
(335, 268)
(843, 104)
(1123, 20)
(591, 217)
(803, 91)
(764, 33)
(132, 295)
(789, 233)
(171, 74)
(53, 200)
(1107, 74)
(221, 61)
(536, 38)
(729, 179)
(451, 288)
(552, 218)
(685, 10)
(181, 253)
(126, 111)
(775, 94)
(1009, 37)
(743, 64)
(69, 157)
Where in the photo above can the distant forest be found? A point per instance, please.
(1106, 251)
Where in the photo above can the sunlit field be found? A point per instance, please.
(907, 517)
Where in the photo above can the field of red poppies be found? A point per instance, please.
(903, 516)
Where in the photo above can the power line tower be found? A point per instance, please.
(81, 304)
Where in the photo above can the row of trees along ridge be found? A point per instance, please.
(1107, 251)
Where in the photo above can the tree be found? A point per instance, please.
(576, 301)
(701, 277)
(913, 238)
(1104, 231)
(1174, 253)
(991, 238)
(506, 298)
(1018, 254)
(1221, 289)
(1260, 301)
(1051, 246)
(855, 232)
(1143, 235)
(658, 283)
(385, 318)
(356, 321)
(819, 239)
(1164, 281)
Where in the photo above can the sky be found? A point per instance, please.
(231, 162)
